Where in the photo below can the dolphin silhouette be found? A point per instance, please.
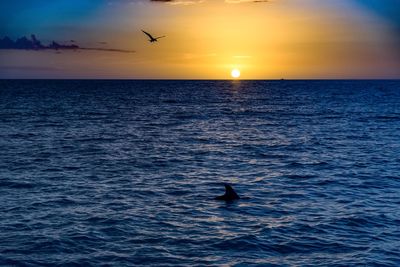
(230, 194)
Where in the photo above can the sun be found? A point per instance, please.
(235, 73)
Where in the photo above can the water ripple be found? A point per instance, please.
(123, 173)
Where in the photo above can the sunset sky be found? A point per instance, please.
(205, 39)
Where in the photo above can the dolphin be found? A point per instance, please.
(230, 194)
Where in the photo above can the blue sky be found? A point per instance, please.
(18, 16)
(361, 32)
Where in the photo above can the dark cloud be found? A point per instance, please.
(33, 43)
(245, 1)
(179, 2)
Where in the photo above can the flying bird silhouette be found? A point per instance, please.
(152, 39)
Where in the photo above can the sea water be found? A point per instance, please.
(124, 173)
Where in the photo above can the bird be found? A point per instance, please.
(230, 194)
(152, 39)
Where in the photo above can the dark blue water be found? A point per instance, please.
(123, 173)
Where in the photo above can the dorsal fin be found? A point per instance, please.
(229, 195)
(229, 192)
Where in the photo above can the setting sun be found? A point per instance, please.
(235, 73)
(154, 112)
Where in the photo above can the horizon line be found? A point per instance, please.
(198, 79)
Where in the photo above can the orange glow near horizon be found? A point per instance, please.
(274, 40)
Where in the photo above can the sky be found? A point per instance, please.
(205, 39)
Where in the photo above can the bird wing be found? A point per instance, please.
(160, 37)
(148, 34)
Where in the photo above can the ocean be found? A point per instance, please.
(124, 173)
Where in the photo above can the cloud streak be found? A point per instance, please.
(191, 2)
(33, 43)
(179, 2)
(245, 1)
